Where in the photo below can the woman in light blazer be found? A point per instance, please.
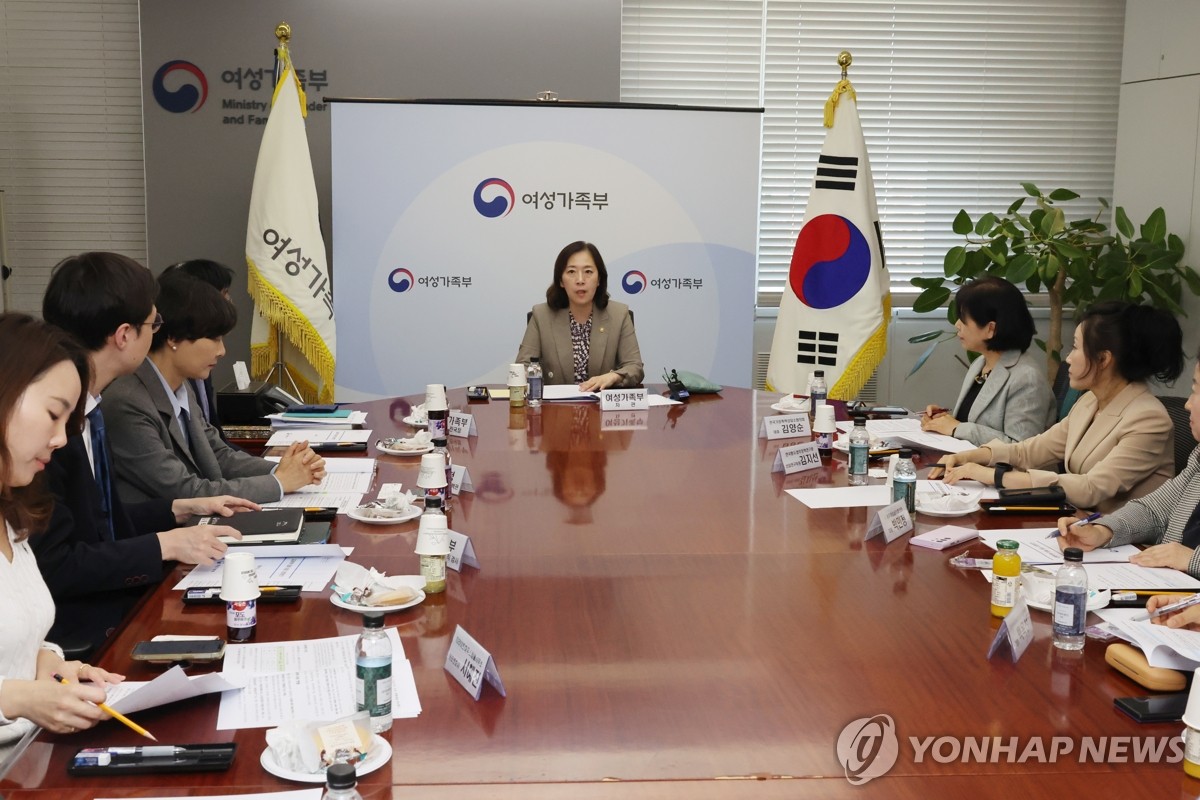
(1115, 443)
(162, 445)
(1005, 394)
(578, 334)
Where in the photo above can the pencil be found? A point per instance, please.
(117, 715)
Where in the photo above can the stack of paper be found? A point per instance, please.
(309, 565)
(343, 418)
(908, 431)
(1037, 547)
(1173, 648)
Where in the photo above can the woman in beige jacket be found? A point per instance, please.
(1115, 443)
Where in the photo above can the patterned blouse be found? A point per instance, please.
(581, 346)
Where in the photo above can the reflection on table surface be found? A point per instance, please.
(664, 615)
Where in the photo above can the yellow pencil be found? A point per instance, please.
(117, 715)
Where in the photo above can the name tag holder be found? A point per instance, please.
(461, 425)
(461, 552)
(785, 426)
(893, 521)
(797, 458)
(471, 664)
(1015, 632)
(624, 400)
(461, 480)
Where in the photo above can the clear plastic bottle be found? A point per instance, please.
(1070, 601)
(373, 673)
(860, 447)
(904, 481)
(533, 376)
(341, 782)
(818, 391)
(1006, 577)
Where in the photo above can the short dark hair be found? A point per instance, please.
(211, 272)
(1144, 341)
(992, 299)
(191, 309)
(92, 294)
(556, 296)
(28, 348)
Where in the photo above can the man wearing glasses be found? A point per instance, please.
(99, 554)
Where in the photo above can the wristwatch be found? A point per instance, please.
(1001, 468)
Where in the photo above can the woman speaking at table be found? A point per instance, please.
(42, 374)
(579, 334)
(1115, 443)
(161, 444)
(1005, 394)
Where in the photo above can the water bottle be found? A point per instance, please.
(373, 674)
(860, 446)
(533, 376)
(340, 783)
(1070, 601)
(817, 390)
(904, 481)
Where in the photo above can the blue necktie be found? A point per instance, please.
(183, 426)
(103, 468)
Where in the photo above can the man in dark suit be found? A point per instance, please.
(98, 555)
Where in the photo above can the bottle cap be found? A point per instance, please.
(859, 418)
(1073, 554)
(372, 620)
(1008, 544)
(534, 359)
(906, 452)
(818, 373)
(341, 776)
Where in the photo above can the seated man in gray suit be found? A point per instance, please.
(162, 445)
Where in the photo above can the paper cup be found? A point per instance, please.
(433, 471)
(239, 578)
(435, 397)
(1191, 715)
(516, 375)
(433, 536)
(824, 420)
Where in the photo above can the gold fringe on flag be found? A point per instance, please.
(862, 366)
(844, 60)
(283, 315)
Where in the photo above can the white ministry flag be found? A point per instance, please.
(285, 252)
(836, 304)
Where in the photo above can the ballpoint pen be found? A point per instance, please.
(1088, 520)
(1158, 612)
(117, 715)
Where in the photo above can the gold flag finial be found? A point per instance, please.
(283, 32)
(844, 61)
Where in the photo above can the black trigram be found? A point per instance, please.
(817, 347)
(836, 172)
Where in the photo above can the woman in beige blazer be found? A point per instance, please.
(578, 334)
(1115, 443)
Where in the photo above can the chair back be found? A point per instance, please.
(1184, 441)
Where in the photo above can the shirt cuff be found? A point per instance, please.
(3, 719)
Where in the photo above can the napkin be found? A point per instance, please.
(937, 503)
(391, 507)
(418, 441)
(418, 413)
(359, 585)
(793, 403)
(310, 747)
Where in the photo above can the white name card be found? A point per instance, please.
(461, 425)
(471, 665)
(1015, 632)
(623, 400)
(625, 421)
(461, 552)
(785, 426)
(461, 480)
(241, 376)
(892, 521)
(797, 458)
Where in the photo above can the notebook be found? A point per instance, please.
(257, 527)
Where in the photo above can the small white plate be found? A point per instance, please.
(381, 753)
(416, 423)
(340, 603)
(801, 409)
(1097, 599)
(933, 513)
(396, 452)
(412, 513)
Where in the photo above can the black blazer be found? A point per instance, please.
(94, 581)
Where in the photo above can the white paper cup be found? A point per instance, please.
(1191, 715)
(433, 471)
(239, 578)
(435, 397)
(433, 536)
(516, 375)
(824, 420)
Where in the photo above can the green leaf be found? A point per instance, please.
(956, 257)
(1021, 268)
(1016, 206)
(927, 336)
(1193, 279)
(1103, 202)
(1123, 223)
(1063, 194)
(995, 256)
(927, 283)
(985, 223)
(1068, 251)
(1031, 190)
(1135, 286)
(1175, 244)
(931, 299)
(1155, 228)
(962, 223)
(922, 359)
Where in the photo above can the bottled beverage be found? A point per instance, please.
(533, 376)
(433, 559)
(818, 391)
(904, 481)
(517, 383)
(1070, 601)
(1006, 577)
(860, 446)
(373, 673)
(241, 620)
(341, 782)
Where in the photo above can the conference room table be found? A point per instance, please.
(667, 622)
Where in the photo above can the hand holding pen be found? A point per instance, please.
(1082, 532)
(1170, 611)
(938, 420)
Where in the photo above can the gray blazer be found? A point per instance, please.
(1015, 403)
(614, 345)
(152, 459)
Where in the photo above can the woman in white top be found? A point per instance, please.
(42, 372)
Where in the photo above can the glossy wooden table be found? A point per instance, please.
(668, 623)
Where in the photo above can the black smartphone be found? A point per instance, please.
(1155, 707)
(179, 650)
(215, 757)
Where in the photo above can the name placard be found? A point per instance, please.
(1015, 632)
(461, 480)
(461, 425)
(785, 426)
(623, 400)
(461, 552)
(625, 421)
(797, 458)
(892, 521)
(471, 664)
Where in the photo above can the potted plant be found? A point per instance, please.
(1076, 263)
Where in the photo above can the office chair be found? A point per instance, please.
(1184, 441)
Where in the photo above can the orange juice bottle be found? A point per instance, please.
(1006, 577)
